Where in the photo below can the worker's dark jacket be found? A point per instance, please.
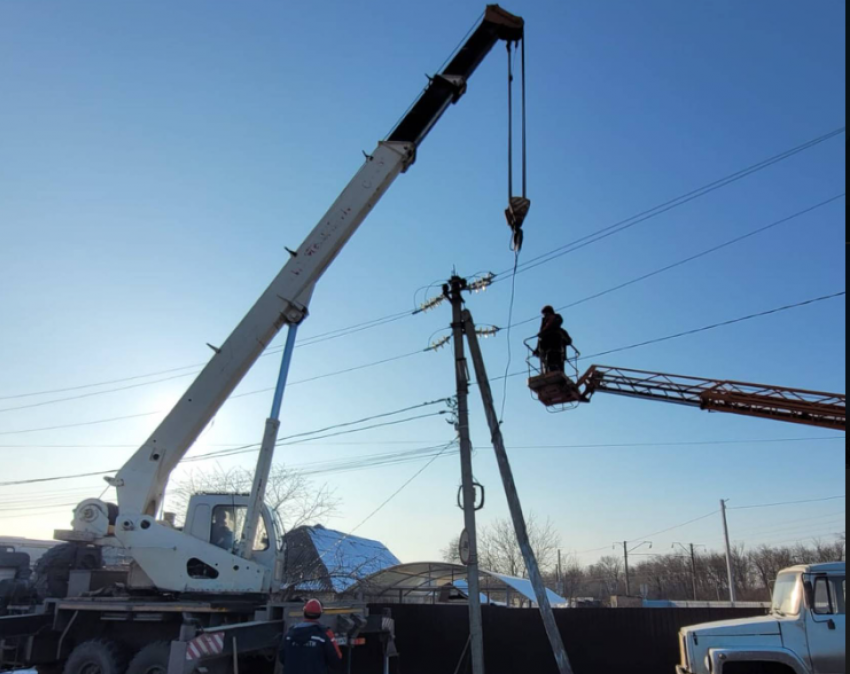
(552, 334)
(310, 648)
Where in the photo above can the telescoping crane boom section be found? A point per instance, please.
(780, 403)
(140, 484)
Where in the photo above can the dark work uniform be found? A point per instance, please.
(553, 340)
(310, 648)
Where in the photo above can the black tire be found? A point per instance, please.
(96, 657)
(152, 659)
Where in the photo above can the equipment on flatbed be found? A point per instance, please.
(780, 403)
(201, 591)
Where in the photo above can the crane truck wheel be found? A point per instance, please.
(98, 656)
(152, 659)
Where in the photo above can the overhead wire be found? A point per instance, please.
(510, 323)
(693, 258)
(334, 334)
(658, 340)
(668, 206)
(760, 506)
(303, 437)
(635, 445)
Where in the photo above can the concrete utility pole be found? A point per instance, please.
(694, 571)
(693, 557)
(626, 553)
(476, 625)
(733, 592)
(517, 515)
(560, 575)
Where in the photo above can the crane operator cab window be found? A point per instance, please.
(228, 523)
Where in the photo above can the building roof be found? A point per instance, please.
(341, 560)
(427, 578)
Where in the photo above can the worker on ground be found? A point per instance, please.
(310, 647)
(222, 534)
(552, 341)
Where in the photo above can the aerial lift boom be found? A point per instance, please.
(163, 553)
(780, 403)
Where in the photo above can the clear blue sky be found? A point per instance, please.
(156, 157)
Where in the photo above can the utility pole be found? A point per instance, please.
(560, 575)
(514, 504)
(626, 553)
(693, 551)
(733, 593)
(694, 571)
(476, 626)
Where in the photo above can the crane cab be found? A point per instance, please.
(219, 519)
(552, 386)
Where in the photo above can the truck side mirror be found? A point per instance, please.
(809, 589)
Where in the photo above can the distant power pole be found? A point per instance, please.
(733, 593)
(560, 575)
(693, 556)
(694, 571)
(626, 553)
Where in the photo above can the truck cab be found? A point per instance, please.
(805, 632)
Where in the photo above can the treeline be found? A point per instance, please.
(672, 577)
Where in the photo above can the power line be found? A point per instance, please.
(724, 324)
(659, 340)
(674, 528)
(692, 258)
(816, 518)
(377, 322)
(643, 445)
(303, 436)
(787, 503)
(707, 328)
(400, 490)
(652, 213)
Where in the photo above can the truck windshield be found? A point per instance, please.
(787, 594)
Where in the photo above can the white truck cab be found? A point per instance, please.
(805, 632)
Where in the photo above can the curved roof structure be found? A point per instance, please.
(433, 582)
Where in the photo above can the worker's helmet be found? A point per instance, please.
(313, 609)
(548, 310)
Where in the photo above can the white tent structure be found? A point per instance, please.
(442, 583)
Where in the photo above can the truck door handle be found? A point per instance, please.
(832, 625)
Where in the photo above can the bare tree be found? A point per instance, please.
(296, 500)
(499, 551)
(451, 553)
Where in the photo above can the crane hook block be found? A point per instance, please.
(516, 214)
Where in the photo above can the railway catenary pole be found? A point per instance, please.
(454, 292)
(514, 503)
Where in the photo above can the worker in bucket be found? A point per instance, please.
(310, 647)
(552, 341)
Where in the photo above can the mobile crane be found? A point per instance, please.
(557, 390)
(195, 603)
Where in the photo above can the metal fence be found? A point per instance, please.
(431, 639)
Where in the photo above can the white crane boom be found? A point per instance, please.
(163, 553)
